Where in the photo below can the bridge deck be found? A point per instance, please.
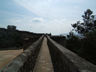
(44, 63)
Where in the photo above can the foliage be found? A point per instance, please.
(88, 24)
(73, 42)
(85, 47)
(9, 38)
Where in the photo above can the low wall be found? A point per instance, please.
(25, 62)
(59, 39)
(66, 61)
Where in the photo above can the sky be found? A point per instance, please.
(43, 16)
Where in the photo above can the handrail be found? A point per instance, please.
(26, 60)
(65, 60)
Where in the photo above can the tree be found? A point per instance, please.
(87, 28)
(73, 42)
(87, 25)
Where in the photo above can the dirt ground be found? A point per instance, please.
(7, 55)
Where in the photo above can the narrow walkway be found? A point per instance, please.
(44, 63)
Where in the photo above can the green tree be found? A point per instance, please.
(73, 42)
(88, 29)
(87, 25)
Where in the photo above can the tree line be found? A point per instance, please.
(84, 43)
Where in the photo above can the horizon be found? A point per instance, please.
(44, 16)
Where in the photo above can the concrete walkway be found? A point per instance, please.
(44, 63)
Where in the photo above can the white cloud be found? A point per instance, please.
(40, 24)
(37, 19)
(54, 26)
(50, 8)
(54, 16)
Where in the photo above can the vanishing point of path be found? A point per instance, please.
(44, 63)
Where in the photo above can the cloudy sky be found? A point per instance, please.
(48, 16)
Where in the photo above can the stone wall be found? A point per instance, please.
(66, 61)
(25, 61)
(59, 39)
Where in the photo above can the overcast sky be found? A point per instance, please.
(48, 16)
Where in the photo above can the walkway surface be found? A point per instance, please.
(44, 63)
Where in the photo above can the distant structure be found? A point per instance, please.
(11, 27)
(49, 34)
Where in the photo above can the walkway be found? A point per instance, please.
(44, 63)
